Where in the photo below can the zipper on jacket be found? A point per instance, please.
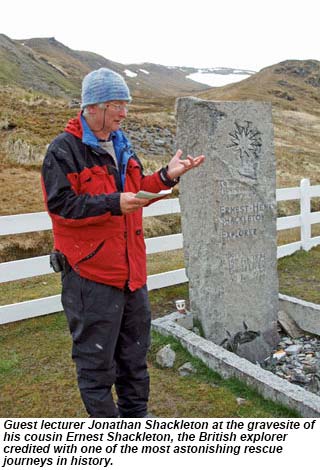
(90, 255)
(127, 252)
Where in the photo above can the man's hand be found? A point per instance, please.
(178, 167)
(129, 203)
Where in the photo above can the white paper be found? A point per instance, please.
(148, 195)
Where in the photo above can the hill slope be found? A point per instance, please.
(288, 85)
(47, 66)
(293, 88)
(29, 118)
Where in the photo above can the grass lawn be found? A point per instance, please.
(37, 376)
(299, 275)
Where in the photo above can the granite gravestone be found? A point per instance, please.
(228, 210)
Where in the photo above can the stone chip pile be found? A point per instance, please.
(298, 361)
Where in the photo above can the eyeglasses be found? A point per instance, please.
(118, 107)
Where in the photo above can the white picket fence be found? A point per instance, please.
(26, 268)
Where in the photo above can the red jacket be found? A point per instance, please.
(82, 186)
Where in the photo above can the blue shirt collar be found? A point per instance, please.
(88, 137)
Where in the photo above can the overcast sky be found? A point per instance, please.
(245, 34)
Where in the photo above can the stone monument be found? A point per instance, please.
(228, 210)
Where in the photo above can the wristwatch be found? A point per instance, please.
(165, 178)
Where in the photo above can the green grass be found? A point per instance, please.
(205, 393)
(299, 275)
(37, 378)
(29, 289)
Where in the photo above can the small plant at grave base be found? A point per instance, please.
(232, 342)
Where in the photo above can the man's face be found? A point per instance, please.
(111, 115)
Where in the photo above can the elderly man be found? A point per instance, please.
(90, 178)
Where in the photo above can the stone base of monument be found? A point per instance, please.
(259, 348)
(228, 365)
(305, 314)
(185, 320)
(254, 352)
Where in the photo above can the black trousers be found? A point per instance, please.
(110, 329)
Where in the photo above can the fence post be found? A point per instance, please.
(305, 211)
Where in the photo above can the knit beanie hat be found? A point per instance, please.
(103, 85)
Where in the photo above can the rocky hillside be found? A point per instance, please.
(291, 85)
(47, 66)
(293, 88)
(30, 118)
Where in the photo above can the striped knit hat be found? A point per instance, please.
(103, 85)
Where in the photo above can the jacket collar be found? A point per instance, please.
(88, 137)
(79, 128)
